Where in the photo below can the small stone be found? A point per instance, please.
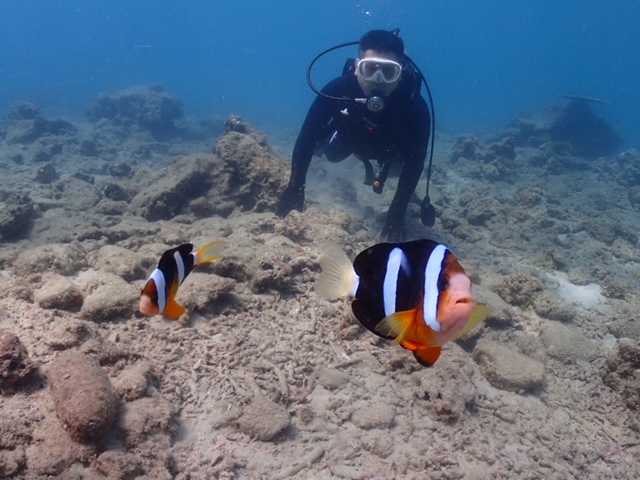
(371, 415)
(118, 465)
(330, 378)
(58, 292)
(84, 399)
(377, 442)
(110, 301)
(133, 382)
(144, 417)
(15, 365)
(46, 174)
(621, 372)
(68, 332)
(568, 344)
(506, 369)
(263, 419)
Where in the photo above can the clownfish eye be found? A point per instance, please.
(443, 283)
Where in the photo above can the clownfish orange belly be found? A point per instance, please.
(158, 294)
(414, 293)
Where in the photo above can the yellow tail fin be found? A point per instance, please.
(210, 252)
(338, 278)
(479, 314)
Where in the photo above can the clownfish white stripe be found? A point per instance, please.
(431, 292)
(161, 288)
(180, 266)
(390, 285)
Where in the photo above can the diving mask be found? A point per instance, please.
(379, 70)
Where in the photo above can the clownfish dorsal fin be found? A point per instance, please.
(338, 278)
(397, 325)
(210, 252)
(478, 315)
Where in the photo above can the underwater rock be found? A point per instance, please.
(622, 372)
(111, 300)
(263, 419)
(15, 364)
(58, 292)
(88, 148)
(46, 174)
(506, 369)
(116, 192)
(121, 262)
(492, 162)
(551, 307)
(205, 292)
(15, 432)
(519, 289)
(149, 107)
(572, 121)
(16, 216)
(627, 326)
(568, 344)
(252, 177)
(118, 465)
(84, 399)
(69, 332)
(65, 259)
(25, 125)
(368, 415)
(447, 392)
(132, 383)
(294, 227)
(78, 195)
(188, 178)
(625, 170)
(145, 417)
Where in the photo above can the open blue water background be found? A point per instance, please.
(486, 61)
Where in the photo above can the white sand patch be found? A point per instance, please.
(584, 296)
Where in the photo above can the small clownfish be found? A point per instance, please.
(159, 293)
(414, 293)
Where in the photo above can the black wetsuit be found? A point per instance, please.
(400, 132)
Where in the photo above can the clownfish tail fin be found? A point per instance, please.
(210, 252)
(338, 278)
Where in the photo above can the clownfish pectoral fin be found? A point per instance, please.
(338, 278)
(173, 310)
(210, 252)
(427, 356)
(397, 325)
(478, 315)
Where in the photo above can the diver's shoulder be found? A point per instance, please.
(340, 85)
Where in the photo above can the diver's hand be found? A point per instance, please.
(292, 199)
(393, 232)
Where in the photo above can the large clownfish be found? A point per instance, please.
(159, 293)
(414, 293)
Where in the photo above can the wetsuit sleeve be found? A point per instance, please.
(413, 154)
(311, 132)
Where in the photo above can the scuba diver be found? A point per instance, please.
(375, 112)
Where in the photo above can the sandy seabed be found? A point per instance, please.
(265, 380)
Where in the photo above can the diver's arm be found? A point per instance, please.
(302, 153)
(411, 171)
(413, 156)
(312, 129)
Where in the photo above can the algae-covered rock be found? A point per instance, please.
(85, 402)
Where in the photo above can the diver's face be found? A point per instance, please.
(376, 85)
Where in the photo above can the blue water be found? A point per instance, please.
(486, 61)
